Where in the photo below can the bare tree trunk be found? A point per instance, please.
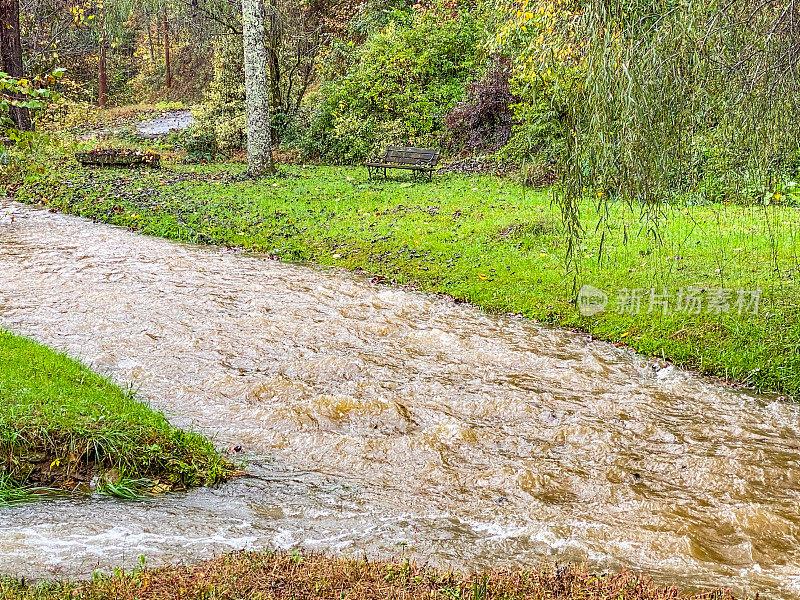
(11, 53)
(167, 66)
(273, 57)
(102, 74)
(150, 36)
(259, 140)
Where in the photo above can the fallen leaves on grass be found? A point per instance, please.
(263, 576)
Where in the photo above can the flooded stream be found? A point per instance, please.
(165, 123)
(381, 421)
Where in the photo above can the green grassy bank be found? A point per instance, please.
(487, 241)
(268, 576)
(61, 426)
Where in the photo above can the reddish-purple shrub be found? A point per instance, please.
(483, 122)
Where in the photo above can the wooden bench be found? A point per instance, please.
(419, 160)
(118, 157)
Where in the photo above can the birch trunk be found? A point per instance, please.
(259, 143)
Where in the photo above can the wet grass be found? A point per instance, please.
(483, 240)
(263, 576)
(64, 429)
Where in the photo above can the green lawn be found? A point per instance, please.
(487, 241)
(62, 425)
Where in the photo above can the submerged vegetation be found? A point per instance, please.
(267, 576)
(65, 429)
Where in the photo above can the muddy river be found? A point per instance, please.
(393, 423)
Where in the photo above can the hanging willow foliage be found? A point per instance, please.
(680, 97)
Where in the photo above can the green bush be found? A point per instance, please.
(405, 79)
(538, 133)
(221, 121)
(222, 116)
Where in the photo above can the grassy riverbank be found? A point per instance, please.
(61, 426)
(483, 240)
(264, 576)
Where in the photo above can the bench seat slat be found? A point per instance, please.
(400, 166)
(398, 157)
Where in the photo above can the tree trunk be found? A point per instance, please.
(167, 66)
(150, 36)
(11, 53)
(102, 75)
(273, 57)
(259, 142)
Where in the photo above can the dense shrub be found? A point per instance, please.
(539, 134)
(545, 66)
(374, 15)
(483, 122)
(222, 117)
(403, 82)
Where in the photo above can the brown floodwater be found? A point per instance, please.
(393, 423)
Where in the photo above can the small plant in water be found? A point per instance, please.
(125, 488)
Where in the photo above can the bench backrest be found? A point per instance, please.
(410, 156)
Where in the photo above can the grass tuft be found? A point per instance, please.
(64, 428)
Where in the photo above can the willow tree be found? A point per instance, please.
(680, 97)
(259, 142)
(658, 100)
